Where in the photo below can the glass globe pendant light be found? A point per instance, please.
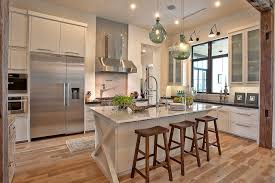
(157, 34)
(182, 49)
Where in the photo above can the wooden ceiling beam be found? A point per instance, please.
(261, 5)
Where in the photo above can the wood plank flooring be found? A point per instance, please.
(49, 161)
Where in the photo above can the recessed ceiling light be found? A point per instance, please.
(177, 22)
(133, 6)
(143, 51)
(157, 15)
(217, 4)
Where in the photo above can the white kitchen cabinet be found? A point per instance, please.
(175, 71)
(223, 121)
(72, 40)
(89, 119)
(44, 35)
(17, 59)
(21, 126)
(18, 30)
(244, 122)
(244, 55)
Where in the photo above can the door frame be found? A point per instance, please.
(4, 41)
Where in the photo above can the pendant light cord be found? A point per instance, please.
(182, 15)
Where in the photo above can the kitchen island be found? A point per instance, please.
(115, 138)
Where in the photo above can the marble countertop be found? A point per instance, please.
(126, 116)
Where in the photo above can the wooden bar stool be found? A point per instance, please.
(147, 133)
(182, 126)
(205, 135)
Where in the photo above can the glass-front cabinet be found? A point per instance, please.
(245, 55)
(253, 56)
(237, 58)
(175, 71)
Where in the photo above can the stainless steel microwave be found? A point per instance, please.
(17, 83)
(17, 105)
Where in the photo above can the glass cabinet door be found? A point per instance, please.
(237, 58)
(178, 71)
(171, 68)
(253, 54)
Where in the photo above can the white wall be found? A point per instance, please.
(225, 25)
(90, 19)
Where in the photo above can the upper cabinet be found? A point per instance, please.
(253, 56)
(18, 29)
(44, 35)
(72, 40)
(56, 35)
(175, 71)
(245, 55)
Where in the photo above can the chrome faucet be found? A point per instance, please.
(147, 90)
(104, 89)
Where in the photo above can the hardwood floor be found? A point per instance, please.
(49, 161)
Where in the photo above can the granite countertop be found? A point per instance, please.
(98, 101)
(126, 116)
(228, 104)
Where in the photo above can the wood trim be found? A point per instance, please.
(4, 40)
(261, 5)
(267, 78)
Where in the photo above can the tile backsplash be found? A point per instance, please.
(118, 82)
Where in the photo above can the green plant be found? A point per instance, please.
(122, 101)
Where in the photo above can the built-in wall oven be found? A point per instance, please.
(17, 105)
(17, 83)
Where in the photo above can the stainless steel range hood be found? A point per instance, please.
(115, 65)
(112, 48)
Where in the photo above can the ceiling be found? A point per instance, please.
(118, 10)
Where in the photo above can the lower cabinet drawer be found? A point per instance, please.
(244, 130)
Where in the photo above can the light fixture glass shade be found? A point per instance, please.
(182, 49)
(211, 34)
(158, 34)
(191, 40)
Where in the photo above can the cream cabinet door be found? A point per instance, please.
(18, 59)
(72, 40)
(18, 30)
(45, 35)
(21, 127)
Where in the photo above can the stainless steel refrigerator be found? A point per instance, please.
(56, 95)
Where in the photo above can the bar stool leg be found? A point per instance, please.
(167, 156)
(217, 137)
(147, 159)
(204, 133)
(207, 141)
(192, 146)
(171, 138)
(135, 157)
(155, 150)
(182, 141)
(196, 146)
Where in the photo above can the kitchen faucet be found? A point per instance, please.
(147, 90)
(104, 89)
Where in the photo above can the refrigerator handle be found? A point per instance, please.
(68, 94)
(64, 93)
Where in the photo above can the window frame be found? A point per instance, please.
(209, 64)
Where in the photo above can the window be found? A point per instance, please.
(210, 66)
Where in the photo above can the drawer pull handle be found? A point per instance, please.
(243, 114)
(248, 126)
(69, 52)
(42, 49)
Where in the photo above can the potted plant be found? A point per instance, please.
(122, 102)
